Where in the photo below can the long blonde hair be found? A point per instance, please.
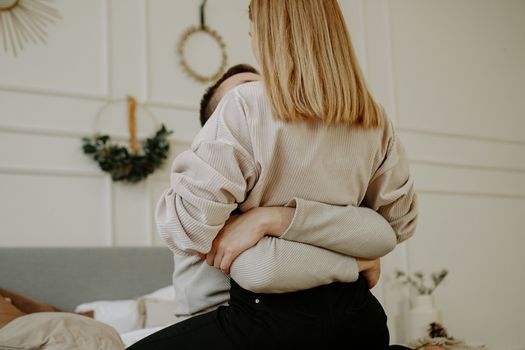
(308, 64)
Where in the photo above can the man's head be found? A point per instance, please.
(236, 75)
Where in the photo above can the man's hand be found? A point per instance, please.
(243, 231)
(239, 233)
(370, 270)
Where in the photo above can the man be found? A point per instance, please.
(234, 76)
(201, 288)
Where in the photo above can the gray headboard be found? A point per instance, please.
(66, 277)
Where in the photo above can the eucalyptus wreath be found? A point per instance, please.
(122, 164)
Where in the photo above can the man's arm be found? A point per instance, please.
(208, 181)
(351, 231)
(276, 265)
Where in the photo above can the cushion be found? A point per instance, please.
(123, 315)
(59, 331)
(158, 312)
(8, 311)
(159, 307)
(25, 303)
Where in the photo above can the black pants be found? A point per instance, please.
(334, 316)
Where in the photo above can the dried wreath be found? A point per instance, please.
(203, 28)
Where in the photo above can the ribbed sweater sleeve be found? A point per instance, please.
(391, 191)
(276, 265)
(353, 231)
(207, 181)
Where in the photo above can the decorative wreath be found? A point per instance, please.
(203, 28)
(124, 164)
(190, 71)
(25, 21)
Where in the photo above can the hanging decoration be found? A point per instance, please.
(204, 29)
(123, 164)
(23, 21)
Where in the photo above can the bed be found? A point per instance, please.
(69, 277)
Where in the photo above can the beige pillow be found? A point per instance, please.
(157, 312)
(8, 311)
(59, 331)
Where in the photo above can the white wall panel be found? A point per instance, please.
(379, 72)
(44, 152)
(466, 152)
(157, 185)
(353, 12)
(479, 240)
(459, 66)
(167, 20)
(130, 213)
(450, 73)
(75, 56)
(128, 48)
(47, 112)
(184, 123)
(482, 182)
(133, 205)
(43, 210)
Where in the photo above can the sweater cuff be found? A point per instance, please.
(297, 221)
(353, 269)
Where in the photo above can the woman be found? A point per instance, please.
(310, 131)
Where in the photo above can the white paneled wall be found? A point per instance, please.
(451, 74)
(457, 80)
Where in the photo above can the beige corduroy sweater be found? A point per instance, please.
(245, 158)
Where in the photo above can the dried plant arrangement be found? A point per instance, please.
(421, 284)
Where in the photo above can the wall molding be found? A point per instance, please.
(470, 194)
(172, 105)
(53, 92)
(466, 166)
(77, 134)
(52, 132)
(93, 97)
(460, 136)
(13, 170)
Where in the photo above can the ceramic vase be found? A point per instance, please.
(422, 313)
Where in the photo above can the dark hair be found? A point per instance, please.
(207, 108)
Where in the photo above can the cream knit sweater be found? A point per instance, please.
(245, 158)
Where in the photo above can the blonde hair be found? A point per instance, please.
(309, 67)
